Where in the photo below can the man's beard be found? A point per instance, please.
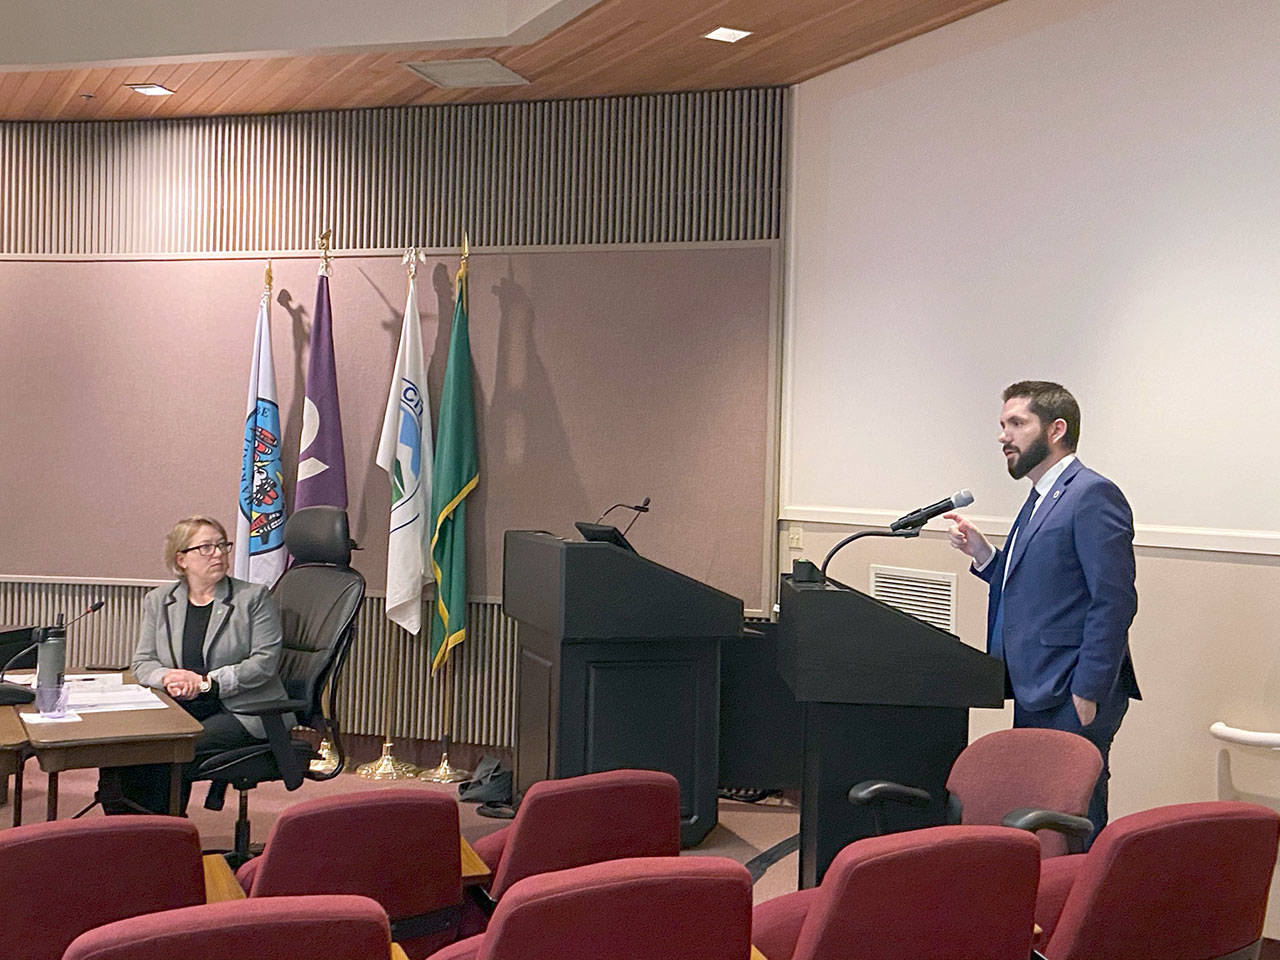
(1030, 458)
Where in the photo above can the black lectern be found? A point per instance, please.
(618, 666)
(885, 696)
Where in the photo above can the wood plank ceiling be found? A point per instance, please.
(616, 47)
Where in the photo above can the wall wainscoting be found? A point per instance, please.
(384, 658)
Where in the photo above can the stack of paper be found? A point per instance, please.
(94, 698)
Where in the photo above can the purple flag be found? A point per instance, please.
(322, 468)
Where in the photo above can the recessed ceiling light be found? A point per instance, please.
(150, 89)
(476, 72)
(727, 34)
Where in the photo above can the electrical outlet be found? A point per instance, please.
(795, 536)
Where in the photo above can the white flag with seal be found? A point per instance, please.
(260, 553)
(405, 452)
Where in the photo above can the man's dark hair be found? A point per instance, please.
(1050, 402)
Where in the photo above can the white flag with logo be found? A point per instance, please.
(405, 452)
(260, 553)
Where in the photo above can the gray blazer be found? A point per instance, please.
(241, 647)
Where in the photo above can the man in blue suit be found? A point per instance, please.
(1062, 589)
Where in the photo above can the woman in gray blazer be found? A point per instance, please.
(212, 643)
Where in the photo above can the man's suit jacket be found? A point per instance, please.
(1069, 597)
(241, 646)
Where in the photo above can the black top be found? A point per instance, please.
(206, 704)
(193, 637)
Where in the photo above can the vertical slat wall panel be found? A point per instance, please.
(657, 168)
(482, 708)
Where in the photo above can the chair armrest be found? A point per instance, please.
(220, 884)
(874, 791)
(1075, 829)
(474, 869)
(268, 708)
(482, 899)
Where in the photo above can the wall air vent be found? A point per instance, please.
(929, 595)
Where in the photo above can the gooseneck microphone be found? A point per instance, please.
(639, 508)
(918, 518)
(907, 526)
(642, 507)
(50, 659)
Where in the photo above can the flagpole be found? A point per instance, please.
(445, 772)
(388, 766)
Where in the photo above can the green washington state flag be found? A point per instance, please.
(454, 475)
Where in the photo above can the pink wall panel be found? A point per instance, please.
(601, 376)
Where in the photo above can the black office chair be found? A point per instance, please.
(318, 597)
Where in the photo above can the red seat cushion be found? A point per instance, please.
(946, 893)
(1188, 880)
(589, 819)
(776, 923)
(1025, 767)
(62, 878)
(684, 908)
(277, 928)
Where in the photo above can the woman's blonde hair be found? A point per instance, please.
(180, 537)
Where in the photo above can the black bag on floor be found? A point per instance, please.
(491, 783)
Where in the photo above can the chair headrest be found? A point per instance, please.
(319, 535)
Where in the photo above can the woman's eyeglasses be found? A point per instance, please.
(208, 549)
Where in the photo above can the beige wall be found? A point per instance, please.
(1205, 644)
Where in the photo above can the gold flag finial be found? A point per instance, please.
(266, 277)
(324, 242)
(466, 247)
(412, 257)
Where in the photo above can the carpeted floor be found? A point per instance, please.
(744, 831)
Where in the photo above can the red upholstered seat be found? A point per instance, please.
(1025, 767)
(59, 879)
(398, 846)
(588, 819)
(1185, 882)
(276, 928)
(682, 908)
(946, 893)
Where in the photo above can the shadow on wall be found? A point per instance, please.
(291, 420)
(374, 474)
(521, 389)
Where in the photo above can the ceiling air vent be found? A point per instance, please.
(926, 594)
(477, 72)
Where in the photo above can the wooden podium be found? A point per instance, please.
(885, 697)
(618, 666)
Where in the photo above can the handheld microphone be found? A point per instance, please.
(918, 518)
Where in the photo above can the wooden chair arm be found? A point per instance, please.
(220, 884)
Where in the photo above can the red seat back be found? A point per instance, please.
(59, 879)
(275, 928)
(1187, 881)
(397, 846)
(946, 893)
(691, 908)
(589, 819)
(1025, 767)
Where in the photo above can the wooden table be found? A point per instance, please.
(117, 738)
(13, 744)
